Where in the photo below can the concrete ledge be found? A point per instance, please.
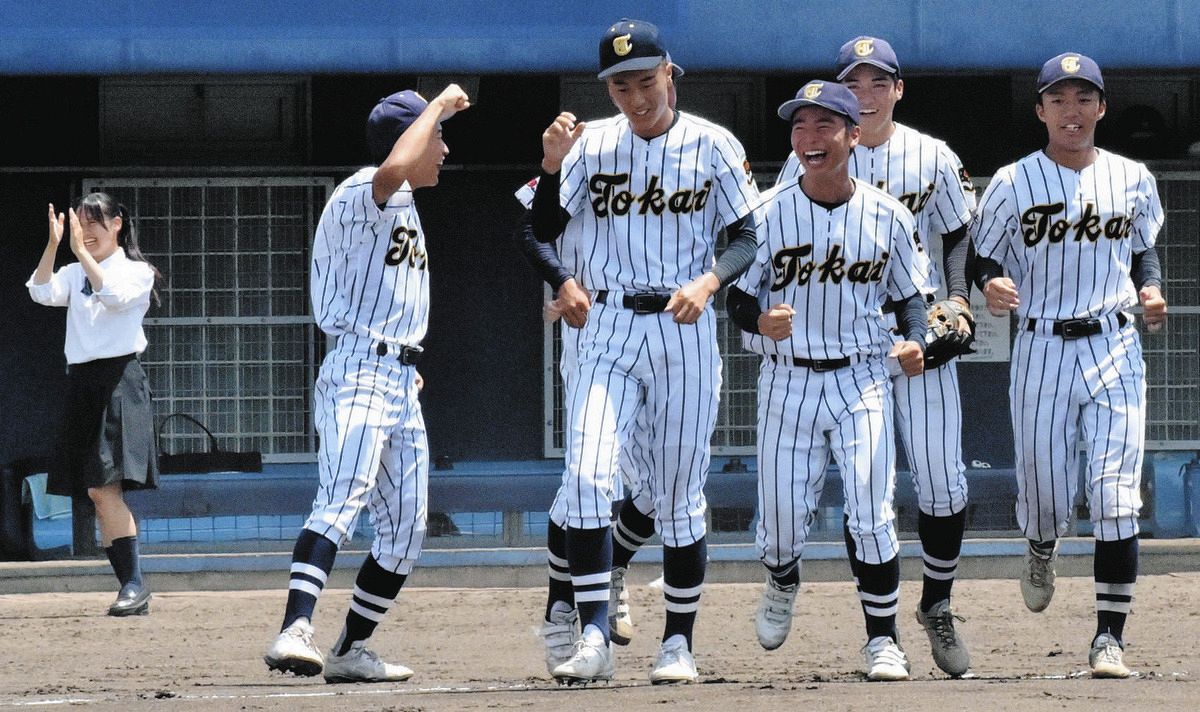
(526, 567)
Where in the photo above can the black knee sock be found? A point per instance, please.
(879, 592)
(375, 590)
(1114, 566)
(312, 560)
(630, 532)
(125, 560)
(941, 544)
(589, 553)
(852, 553)
(683, 577)
(556, 565)
(786, 575)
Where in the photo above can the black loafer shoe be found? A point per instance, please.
(133, 600)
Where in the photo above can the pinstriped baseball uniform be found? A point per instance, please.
(633, 462)
(836, 268)
(1067, 239)
(370, 291)
(928, 178)
(650, 211)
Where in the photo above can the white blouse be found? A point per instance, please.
(104, 323)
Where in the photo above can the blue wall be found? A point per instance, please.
(485, 36)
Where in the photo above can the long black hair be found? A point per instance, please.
(102, 207)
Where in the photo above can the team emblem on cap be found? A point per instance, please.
(812, 91)
(622, 45)
(1070, 64)
(864, 48)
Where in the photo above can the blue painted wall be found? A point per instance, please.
(485, 36)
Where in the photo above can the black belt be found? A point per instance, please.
(818, 365)
(408, 355)
(1078, 328)
(638, 302)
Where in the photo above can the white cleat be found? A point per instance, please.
(1107, 659)
(1037, 579)
(885, 659)
(620, 623)
(293, 651)
(362, 665)
(559, 635)
(675, 663)
(948, 648)
(773, 621)
(592, 661)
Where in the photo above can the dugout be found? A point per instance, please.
(228, 123)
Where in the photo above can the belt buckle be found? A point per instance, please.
(823, 366)
(1078, 328)
(645, 303)
(409, 356)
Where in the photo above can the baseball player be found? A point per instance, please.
(370, 290)
(634, 524)
(832, 250)
(1065, 238)
(928, 178)
(653, 186)
(571, 302)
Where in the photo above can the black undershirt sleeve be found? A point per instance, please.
(1146, 270)
(912, 320)
(542, 256)
(743, 310)
(956, 253)
(984, 269)
(549, 218)
(740, 252)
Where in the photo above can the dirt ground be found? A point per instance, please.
(475, 649)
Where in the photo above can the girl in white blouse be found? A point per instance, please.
(106, 442)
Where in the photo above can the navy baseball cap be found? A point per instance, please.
(828, 95)
(390, 118)
(631, 45)
(867, 50)
(1069, 65)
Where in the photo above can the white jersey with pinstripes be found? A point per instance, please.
(925, 175)
(370, 272)
(652, 208)
(836, 268)
(922, 173)
(1067, 238)
(370, 287)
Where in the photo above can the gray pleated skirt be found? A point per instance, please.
(107, 434)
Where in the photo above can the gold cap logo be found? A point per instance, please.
(622, 45)
(812, 91)
(1070, 64)
(864, 48)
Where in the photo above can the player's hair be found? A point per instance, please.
(102, 207)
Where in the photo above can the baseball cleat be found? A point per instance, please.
(133, 600)
(1037, 578)
(559, 635)
(675, 663)
(885, 659)
(362, 665)
(293, 651)
(592, 661)
(949, 650)
(773, 621)
(620, 623)
(1107, 659)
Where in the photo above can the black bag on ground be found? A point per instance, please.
(215, 460)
